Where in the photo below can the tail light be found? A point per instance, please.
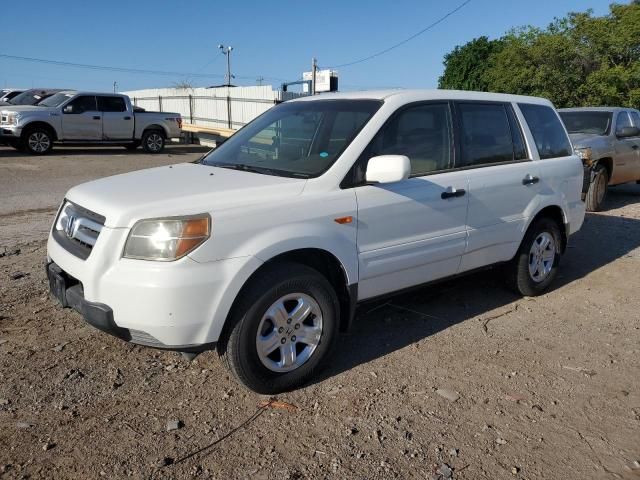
(179, 120)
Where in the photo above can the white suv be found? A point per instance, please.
(264, 247)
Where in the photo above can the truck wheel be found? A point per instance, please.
(38, 141)
(536, 264)
(153, 141)
(282, 328)
(597, 189)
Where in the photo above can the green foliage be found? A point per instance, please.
(578, 60)
(466, 65)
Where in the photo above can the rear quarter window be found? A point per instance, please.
(547, 130)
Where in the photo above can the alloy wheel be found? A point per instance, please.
(289, 332)
(542, 256)
(39, 142)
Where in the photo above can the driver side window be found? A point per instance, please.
(84, 103)
(422, 133)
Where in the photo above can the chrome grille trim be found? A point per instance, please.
(77, 229)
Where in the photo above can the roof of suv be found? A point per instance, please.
(424, 94)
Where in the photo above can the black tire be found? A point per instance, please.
(37, 140)
(238, 345)
(153, 141)
(597, 192)
(132, 146)
(518, 273)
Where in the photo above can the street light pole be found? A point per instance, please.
(227, 51)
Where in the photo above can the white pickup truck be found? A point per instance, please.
(265, 246)
(86, 118)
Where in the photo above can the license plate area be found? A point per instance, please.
(59, 282)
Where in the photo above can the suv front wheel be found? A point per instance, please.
(282, 328)
(536, 264)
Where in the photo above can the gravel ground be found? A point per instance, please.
(461, 380)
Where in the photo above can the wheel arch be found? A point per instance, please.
(155, 127)
(608, 165)
(319, 259)
(39, 124)
(558, 214)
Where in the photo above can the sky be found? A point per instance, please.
(273, 40)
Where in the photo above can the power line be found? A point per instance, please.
(429, 27)
(123, 69)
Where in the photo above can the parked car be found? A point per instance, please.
(85, 118)
(30, 97)
(264, 248)
(608, 140)
(7, 94)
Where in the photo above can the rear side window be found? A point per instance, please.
(635, 118)
(485, 134)
(422, 133)
(111, 104)
(547, 130)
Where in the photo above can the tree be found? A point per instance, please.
(465, 66)
(578, 60)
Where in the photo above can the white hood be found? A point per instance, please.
(182, 189)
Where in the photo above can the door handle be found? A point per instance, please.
(127, 118)
(530, 179)
(451, 192)
(96, 117)
(635, 147)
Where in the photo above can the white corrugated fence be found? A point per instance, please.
(225, 107)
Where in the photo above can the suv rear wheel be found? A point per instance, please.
(597, 189)
(536, 264)
(283, 327)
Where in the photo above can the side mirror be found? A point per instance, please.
(625, 132)
(388, 169)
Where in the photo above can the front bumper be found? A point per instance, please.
(181, 305)
(10, 132)
(69, 292)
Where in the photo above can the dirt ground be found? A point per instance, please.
(463, 376)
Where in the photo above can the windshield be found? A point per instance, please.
(29, 97)
(55, 100)
(297, 139)
(596, 123)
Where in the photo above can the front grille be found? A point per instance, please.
(77, 229)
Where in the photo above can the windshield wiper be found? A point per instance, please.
(243, 167)
(261, 170)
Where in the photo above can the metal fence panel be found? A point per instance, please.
(226, 107)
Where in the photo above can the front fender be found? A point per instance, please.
(30, 121)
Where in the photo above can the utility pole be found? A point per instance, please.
(227, 51)
(259, 80)
(115, 85)
(314, 66)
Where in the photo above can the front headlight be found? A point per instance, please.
(167, 239)
(9, 118)
(586, 155)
